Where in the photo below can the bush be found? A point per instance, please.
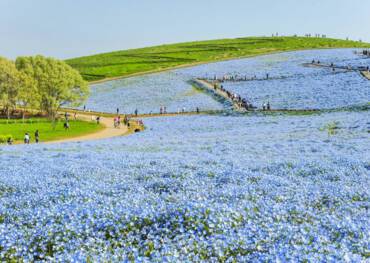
(4, 138)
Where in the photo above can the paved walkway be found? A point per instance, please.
(107, 132)
(218, 92)
(366, 74)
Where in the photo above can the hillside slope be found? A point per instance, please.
(151, 59)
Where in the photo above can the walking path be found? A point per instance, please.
(108, 131)
(218, 92)
(366, 74)
(363, 70)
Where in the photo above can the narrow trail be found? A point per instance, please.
(366, 74)
(363, 70)
(108, 131)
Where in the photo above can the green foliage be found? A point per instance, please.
(9, 85)
(4, 138)
(58, 84)
(136, 61)
(332, 128)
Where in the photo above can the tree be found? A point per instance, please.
(9, 83)
(28, 94)
(58, 84)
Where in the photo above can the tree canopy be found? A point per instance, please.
(58, 83)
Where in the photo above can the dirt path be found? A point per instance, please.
(107, 132)
(366, 74)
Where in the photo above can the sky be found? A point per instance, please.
(72, 28)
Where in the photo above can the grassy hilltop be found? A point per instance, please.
(151, 59)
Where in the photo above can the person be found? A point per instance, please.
(75, 116)
(183, 109)
(197, 110)
(264, 106)
(267, 76)
(26, 138)
(164, 109)
(115, 122)
(66, 116)
(161, 110)
(37, 136)
(117, 111)
(98, 120)
(84, 107)
(136, 112)
(9, 141)
(268, 106)
(66, 126)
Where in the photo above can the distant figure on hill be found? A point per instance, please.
(197, 110)
(268, 106)
(26, 138)
(37, 136)
(117, 111)
(98, 119)
(136, 112)
(161, 110)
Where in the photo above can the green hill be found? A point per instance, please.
(151, 59)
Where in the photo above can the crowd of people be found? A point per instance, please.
(242, 103)
(238, 78)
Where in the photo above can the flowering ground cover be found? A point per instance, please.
(149, 93)
(293, 86)
(200, 188)
(300, 88)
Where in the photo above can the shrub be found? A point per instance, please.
(4, 138)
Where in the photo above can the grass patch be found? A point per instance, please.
(151, 59)
(17, 128)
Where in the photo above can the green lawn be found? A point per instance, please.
(17, 129)
(136, 61)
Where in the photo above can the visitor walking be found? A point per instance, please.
(37, 136)
(98, 120)
(66, 126)
(26, 138)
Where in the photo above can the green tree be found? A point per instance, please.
(58, 84)
(28, 95)
(9, 83)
